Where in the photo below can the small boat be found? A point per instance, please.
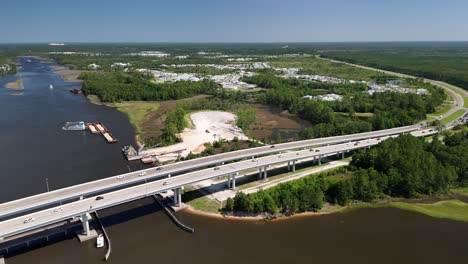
(76, 91)
(100, 241)
(79, 125)
(51, 87)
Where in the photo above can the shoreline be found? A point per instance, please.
(66, 74)
(94, 99)
(330, 209)
(397, 203)
(15, 85)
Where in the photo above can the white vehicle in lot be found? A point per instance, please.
(29, 220)
(142, 173)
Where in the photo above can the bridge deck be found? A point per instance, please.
(120, 181)
(45, 217)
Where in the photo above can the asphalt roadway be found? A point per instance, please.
(49, 216)
(119, 181)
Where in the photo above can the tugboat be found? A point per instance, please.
(100, 241)
(79, 125)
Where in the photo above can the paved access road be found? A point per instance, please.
(45, 217)
(119, 181)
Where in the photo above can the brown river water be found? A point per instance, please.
(35, 148)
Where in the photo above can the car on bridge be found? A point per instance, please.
(29, 220)
(99, 198)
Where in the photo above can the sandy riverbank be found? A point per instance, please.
(15, 85)
(258, 217)
(447, 207)
(67, 74)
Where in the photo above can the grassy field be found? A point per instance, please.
(199, 201)
(440, 110)
(452, 117)
(450, 209)
(323, 67)
(136, 111)
(205, 204)
(461, 190)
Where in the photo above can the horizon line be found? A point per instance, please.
(235, 42)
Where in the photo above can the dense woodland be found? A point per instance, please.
(388, 109)
(402, 167)
(119, 86)
(446, 62)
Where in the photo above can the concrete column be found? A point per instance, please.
(177, 197)
(342, 155)
(265, 175)
(84, 219)
(229, 182)
(289, 165)
(320, 160)
(233, 182)
(294, 166)
(260, 172)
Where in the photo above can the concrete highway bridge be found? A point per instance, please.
(38, 211)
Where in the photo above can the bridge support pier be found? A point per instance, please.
(294, 166)
(260, 172)
(233, 182)
(343, 155)
(85, 221)
(177, 197)
(88, 232)
(265, 175)
(289, 165)
(320, 161)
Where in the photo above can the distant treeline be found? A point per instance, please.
(389, 109)
(121, 86)
(448, 65)
(401, 167)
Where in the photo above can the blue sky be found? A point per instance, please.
(232, 21)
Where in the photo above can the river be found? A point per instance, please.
(35, 148)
